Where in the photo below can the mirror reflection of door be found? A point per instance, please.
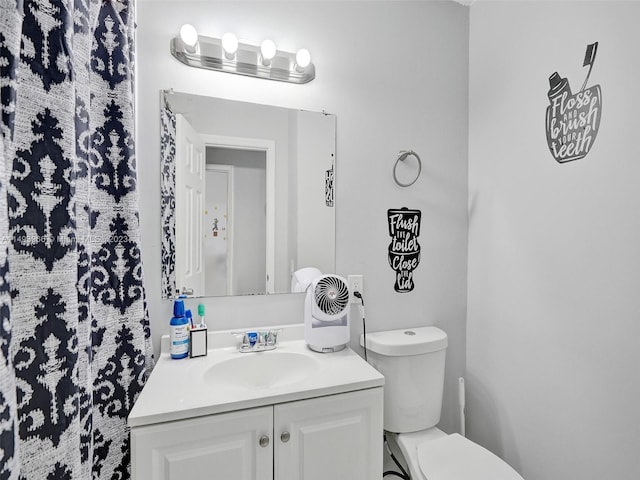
(299, 147)
(218, 251)
(190, 193)
(242, 196)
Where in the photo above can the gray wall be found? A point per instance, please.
(386, 99)
(553, 357)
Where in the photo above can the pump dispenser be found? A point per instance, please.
(179, 333)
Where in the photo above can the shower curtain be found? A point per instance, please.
(168, 197)
(75, 346)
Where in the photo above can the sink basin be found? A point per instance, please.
(261, 370)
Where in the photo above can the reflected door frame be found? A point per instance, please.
(227, 170)
(269, 148)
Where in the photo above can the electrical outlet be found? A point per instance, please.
(356, 284)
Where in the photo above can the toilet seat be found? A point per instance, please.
(433, 455)
(453, 457)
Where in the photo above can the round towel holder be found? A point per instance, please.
(402, 156)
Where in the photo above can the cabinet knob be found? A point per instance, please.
(285, 436)
(264, 441)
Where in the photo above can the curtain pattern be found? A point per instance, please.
(10, 24)
(76, 340)
(168, 197)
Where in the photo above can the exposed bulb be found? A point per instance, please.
(268, 50)
(303, 58)
(229, 44)
(189, 36)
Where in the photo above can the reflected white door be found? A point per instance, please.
(218, 251)
(190, 191)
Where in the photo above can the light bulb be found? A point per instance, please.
(189, 36)
(303, 58)
(229, 44)
(268, 49)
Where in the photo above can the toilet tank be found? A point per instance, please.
(412, 362)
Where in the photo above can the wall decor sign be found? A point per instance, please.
(329, 190)
(573, 119)
(404, 249)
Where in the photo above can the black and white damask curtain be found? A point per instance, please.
(168, 197)
(75, 345)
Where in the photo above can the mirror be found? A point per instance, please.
(247, 195)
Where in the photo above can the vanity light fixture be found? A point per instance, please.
(228, 54)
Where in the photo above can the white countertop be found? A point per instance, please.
(177, 389)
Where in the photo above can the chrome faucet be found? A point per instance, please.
(258, 341)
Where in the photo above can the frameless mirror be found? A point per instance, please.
(247, 195)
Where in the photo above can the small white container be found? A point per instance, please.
(198, 342)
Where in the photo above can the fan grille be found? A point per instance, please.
(331, 295)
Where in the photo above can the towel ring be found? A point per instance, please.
(402, 156)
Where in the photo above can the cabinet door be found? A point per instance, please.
(337, 437)
(224, 446)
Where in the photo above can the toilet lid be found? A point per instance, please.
(455, 458)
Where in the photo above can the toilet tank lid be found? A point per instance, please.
(406, 341)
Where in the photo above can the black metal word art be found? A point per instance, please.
(404, 249)
(573, 119)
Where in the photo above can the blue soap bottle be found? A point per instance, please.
(179, 331)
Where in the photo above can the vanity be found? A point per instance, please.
(247, 198)
(285, 414)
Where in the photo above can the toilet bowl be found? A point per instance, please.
(412, 362)
(434, 455)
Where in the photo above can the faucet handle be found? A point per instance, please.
(257, 341)
(243, 338)
(272, 336)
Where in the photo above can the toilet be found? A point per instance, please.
(412, 362)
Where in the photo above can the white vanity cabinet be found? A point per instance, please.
(224, 446)
(334, 437)
(330, 437)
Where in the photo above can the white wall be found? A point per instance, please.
(396, 76)
(554, 249)
(315, 151)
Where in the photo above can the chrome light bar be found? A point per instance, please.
(247, 60)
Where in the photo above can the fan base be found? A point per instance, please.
(335, 348)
